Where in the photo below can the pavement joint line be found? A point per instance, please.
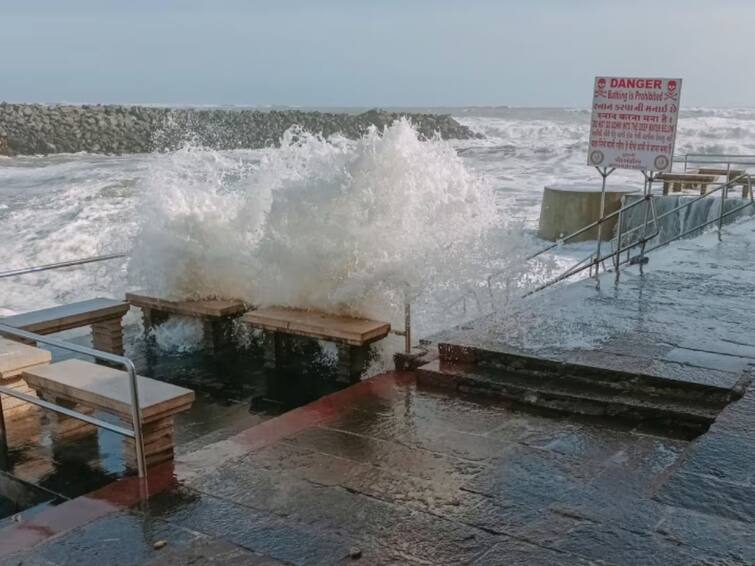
(409, 446)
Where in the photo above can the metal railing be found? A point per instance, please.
(60, 264)
(724, 188)
(651, 218)
(726, 159)
(134, 433)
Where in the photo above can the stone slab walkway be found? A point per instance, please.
(688, 318)
(388, 472)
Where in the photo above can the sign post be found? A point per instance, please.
(633, 126)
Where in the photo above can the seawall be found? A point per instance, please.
(28, 129)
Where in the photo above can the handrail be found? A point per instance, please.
(714, 159)
(590, 226)
(691, 230)
(721, 186)
(136, 414)
(616, 254)
(60, 264)
(579, 267)
(561, 241)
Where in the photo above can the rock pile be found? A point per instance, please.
(27, 129)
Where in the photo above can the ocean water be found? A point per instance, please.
(351, 226)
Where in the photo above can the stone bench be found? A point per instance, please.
(88, 387)
(215, 314)
(679, 182)
(103, 315)
(730, 175)
(15, 358)
(352, 335)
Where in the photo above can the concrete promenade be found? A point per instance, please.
(386, 472)
(389, 471)
(688, 318)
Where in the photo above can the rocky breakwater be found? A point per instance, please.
(29, 129)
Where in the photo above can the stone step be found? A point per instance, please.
(616, 374)
(569, 396)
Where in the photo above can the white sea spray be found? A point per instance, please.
(336, 225)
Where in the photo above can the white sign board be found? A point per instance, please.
(633, 124)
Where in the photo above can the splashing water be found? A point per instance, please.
(337, 225)
(179, 334)
(62, 207)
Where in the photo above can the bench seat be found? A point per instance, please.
(213, 308)
(313, 324)
(216, 315)
(352, 336)
(679, 182)
(15, 358)
(92, 387)
(103, 315)
(66, 317)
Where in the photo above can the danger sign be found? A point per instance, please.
(633, 123)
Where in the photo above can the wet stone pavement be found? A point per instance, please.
(233, 392)
(389, 472)
(687, 319)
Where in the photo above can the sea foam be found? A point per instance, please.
(332, 224)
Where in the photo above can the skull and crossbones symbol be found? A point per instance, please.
(601, 91)
(671, 91)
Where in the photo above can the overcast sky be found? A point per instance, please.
(371, 53)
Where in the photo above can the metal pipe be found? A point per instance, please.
(604, 173)
(580, 231)
(693, 201)
(648, 198)
(136, 417)
(647, 189)
(108, 357)
(60, 264)
(619, 234)
(577, 269)
(407, 327)
(699, 227)
(709, 158)
(724, 194)
(67, 412)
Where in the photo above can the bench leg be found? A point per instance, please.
(158, 443)
(19, 421)
(352, 361)
(13, 408)
(68, 428)
(107, 336)
(152, 318)
(216, 335)
(271, 347)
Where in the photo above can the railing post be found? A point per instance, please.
(407, 326)
(136, 413)
(619, 234)
(604, 173)
(136, 417)
(648, 188)
(724, 194)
